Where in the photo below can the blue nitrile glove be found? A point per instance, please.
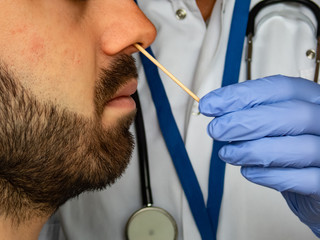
(273, 126)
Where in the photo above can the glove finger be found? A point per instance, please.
(279, 119)
(256, 92)
(289, 151)
(305, 181)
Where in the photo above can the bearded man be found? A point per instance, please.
(66, 76)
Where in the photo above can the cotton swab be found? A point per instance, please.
(152, 59)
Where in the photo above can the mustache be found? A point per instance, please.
(121, 70)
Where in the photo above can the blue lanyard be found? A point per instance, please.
(230, 76)
(206, 218)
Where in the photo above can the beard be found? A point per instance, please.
(49, 154)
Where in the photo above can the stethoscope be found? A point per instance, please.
(149, 222)
(155, 223)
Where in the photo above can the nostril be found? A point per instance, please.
(148, 36)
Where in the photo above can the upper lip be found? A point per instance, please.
(126, 90)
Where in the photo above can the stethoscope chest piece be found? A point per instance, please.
(151, 223)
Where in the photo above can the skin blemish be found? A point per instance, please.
(72, 56)
(37, 48)
(18, 30)
(76, 58)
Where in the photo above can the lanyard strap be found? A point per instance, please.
(230, 76)
(177, 149)
(206, 219)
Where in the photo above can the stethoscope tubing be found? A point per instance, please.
(257, 8)
(251, 30)
(146, 192)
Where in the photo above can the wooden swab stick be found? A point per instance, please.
(152, 59)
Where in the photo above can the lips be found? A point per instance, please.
(122, 97)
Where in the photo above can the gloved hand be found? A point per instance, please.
(273, 126)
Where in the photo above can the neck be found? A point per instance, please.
(28, 230)
(206, 7)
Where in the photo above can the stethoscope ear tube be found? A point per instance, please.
(251, 29)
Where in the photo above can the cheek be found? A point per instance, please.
(23, 43)
(42, 49)
(50, 53)
(54, 67)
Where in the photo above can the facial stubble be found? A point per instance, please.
(49, 154)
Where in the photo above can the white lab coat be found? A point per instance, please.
(195, 54)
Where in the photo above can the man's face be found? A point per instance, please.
(65, 81)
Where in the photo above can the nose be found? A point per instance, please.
(124, 25)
